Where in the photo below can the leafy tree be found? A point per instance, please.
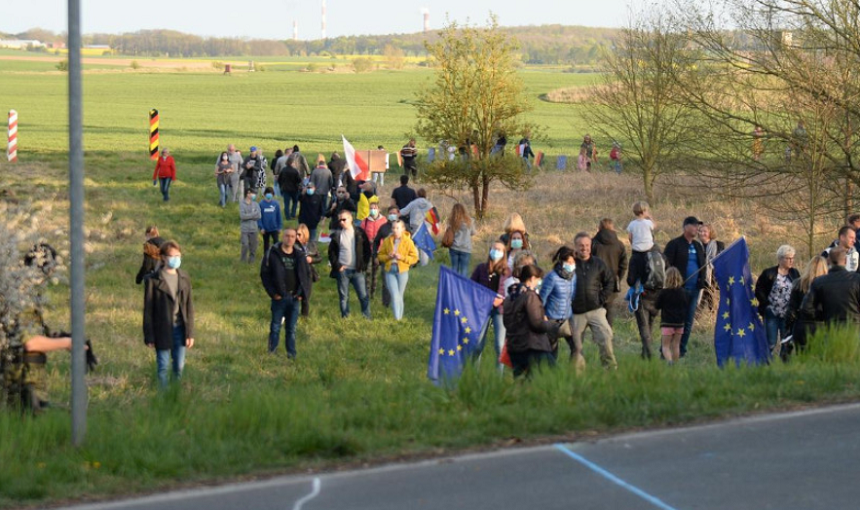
(476, 96)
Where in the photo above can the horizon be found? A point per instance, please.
(388, 17)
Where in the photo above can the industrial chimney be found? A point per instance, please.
(295, 30)
(323, 19)
(426, 13)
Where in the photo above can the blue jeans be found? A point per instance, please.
(165, 187)
(356, 278)
(460, 261)
(286, 308)
(222, 189)
(177, 353)
(693, 296)
(775, 328)
(499, 332)
(396, 283)
(291, 203)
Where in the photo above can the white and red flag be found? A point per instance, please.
(357, 166)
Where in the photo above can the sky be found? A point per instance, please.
(273, 19)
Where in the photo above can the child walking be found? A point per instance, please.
(673, 304)
(640, 232)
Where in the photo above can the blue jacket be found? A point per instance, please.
(557, 295)
(270, 216)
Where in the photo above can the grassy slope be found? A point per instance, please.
(358, 391)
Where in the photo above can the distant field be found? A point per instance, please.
(202, 112)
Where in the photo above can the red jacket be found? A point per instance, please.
(164, 168)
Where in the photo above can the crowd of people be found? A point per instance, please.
(371, 248)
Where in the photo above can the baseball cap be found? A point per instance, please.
(253, 148)
(691, 220)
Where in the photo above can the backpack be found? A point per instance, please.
(655, 270)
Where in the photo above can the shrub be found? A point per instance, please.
(362, 65)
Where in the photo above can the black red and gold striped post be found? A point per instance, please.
(153, 134)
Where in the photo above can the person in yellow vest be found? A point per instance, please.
(398, 253)
(367, 189)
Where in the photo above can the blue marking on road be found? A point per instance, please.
(612, 478)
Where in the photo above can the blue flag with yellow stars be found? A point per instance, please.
(462, 308)
(424, 241)
(739, 333)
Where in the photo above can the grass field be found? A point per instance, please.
(358, 392)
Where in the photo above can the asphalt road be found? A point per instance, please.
(803, 460)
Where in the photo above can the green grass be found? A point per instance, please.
(358, 391)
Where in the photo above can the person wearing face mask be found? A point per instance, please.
(492, 275)
(249, 214)
(270, 222)
(397, 254)
(383, 232)
(311, 211)
(556, 293)
(517, 242)
(165, 172)
(367, 191)
(343, 203)
(168, 313)
(371, 226)
(222, 177)
(528, 331)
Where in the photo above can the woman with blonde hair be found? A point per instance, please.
(306, 244)
(463, 229)
(673, 304)
(398, 253)
(773, 292)
(796, 322)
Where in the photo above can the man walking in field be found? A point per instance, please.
(286, 277)
(410, 158)
(235, 160)
(253, 166)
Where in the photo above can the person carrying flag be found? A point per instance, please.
(417, 211)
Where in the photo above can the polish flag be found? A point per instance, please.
(357, 166)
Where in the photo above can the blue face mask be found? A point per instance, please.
(253, 196)
(310, 191)
(392, 217)
(496, 255)
(268, 196)
(516, 244)
(569, 267)
(174, 262)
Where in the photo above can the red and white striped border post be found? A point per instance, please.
(12, 147)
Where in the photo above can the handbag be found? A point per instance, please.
(448, 238)
(315, 276)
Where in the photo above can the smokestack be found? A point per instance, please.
(426, 13)
(295, 30)
(323, 19)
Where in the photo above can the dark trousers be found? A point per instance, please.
(611, 306)
(526, 362)
(693, 296)
(165, 187)
(638, 268)
(291, 203)
(286, 308)
(646, 315)
(267, 237)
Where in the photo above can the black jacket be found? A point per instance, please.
(311, 211)
(611, 251)
(594, 284)
(337, 166)
(151, 258)
(272, 272)
(764, 285)
(676, 256)
(289, 180)
(336, 207)
(362, 252)
(158, 309)
(834, 297)
(524, 321)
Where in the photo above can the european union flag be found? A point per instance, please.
(424, 241)
(739, 333)
(462, 308)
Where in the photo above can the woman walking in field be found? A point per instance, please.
(398, 253)
(462, 230)
(305, 243)
(492, 274)
(165, 173)
(222, 177)
(249, 214)
(673, 304)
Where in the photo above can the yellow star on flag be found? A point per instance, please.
(464, 320)
(451, 352)
(447, 311)
(741, 332)
(727, 327)
(731, 280)
(442, 352)
(468, 330)
(457, 313)
(752, 327)
(459, 348)
(728, 302)
(742, 280)
(465, 340)
(726, 315)
(754, 302)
